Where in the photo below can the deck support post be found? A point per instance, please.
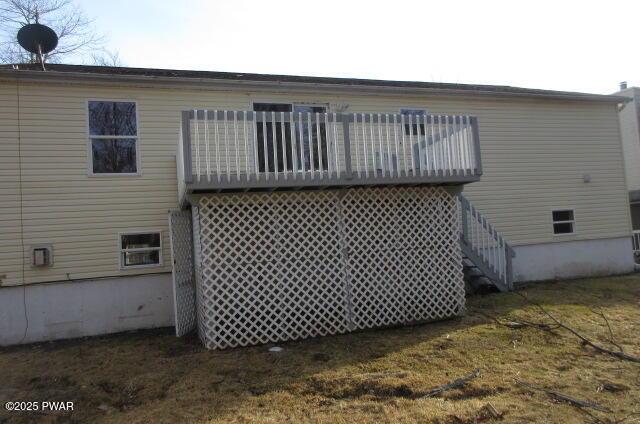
(476, 144)
(186, 146)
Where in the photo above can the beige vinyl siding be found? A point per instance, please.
(534, 153)
(10, 243)
(629, 121)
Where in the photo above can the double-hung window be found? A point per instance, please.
(113, 138)
(143, 249)
(276, 147)
(563, 221)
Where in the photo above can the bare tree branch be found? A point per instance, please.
(606, 321)
(455, 384)
(106, 58)
(75, 31)
(564, 398)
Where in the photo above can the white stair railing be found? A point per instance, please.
(485, 244)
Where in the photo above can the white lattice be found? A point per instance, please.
(291, 265)
(183, 276)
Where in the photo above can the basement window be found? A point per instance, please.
(113, 138)
(563, 221)
(138, 250)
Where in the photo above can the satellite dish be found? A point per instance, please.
(37, 39)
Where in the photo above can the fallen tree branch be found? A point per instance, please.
(455, 384)
(617, 354)
(515, 325)
(606, 321)
(564, 398)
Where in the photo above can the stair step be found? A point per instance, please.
(473, 272)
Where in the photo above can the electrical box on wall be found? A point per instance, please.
(41, 255)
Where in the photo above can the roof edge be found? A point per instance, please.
(177, 82)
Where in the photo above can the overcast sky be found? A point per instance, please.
(563, 45)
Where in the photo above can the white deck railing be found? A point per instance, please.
(234, 146)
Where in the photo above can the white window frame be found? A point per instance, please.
(142, 249)
(90, 172)
(572, 222)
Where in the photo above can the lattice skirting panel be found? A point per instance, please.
(291, 265)
(184, 287)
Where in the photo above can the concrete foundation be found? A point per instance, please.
(84, 308)
(111, 305)
(573, 259)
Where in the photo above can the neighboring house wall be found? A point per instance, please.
(629, 120)
(535, 153)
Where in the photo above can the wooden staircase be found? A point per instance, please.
(486, 256)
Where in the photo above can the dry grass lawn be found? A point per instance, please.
(374, 376)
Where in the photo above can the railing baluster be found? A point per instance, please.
(372, 139)
(420, 156)
(356, 143)
(328, 131)
(364, 147)
(405, 161)
(335, 140)
(463, 141)
(265, 151)
(428, 156)
(454, 143)
(395, 142)
(434, 146)
(472, 156)
(303, 156)
(312, 164)
(441, 143)
(319, 141)
(246, 143)
(235, 143)
(283, 142)
(380, 148)
(274, 144)
(389, 157)
(206, 144)
(294, 147)
(226, 145)
(216, 138)
(448, 146)
(256, 167)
